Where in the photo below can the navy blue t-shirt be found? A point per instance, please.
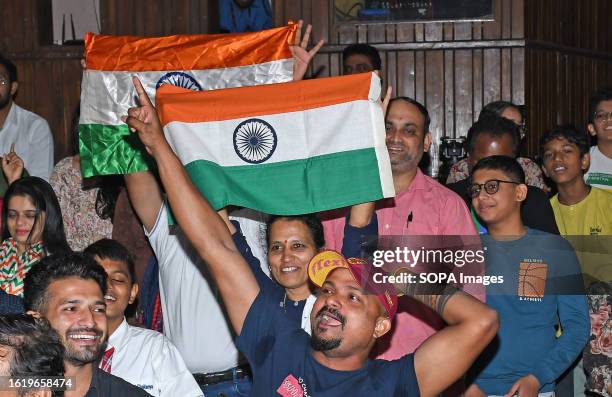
(282, 363)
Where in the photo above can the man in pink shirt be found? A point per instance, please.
(422, 206)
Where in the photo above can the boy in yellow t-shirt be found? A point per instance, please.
(583, 210)
(579, 209)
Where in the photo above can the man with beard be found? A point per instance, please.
(68, 290)
(280, 356)
(28, 132)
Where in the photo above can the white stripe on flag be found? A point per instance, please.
(106, 96)
(300, 135)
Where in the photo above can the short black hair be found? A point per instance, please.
(10, 67)
(57, 267)
(496, 108)
(495, 126)
(568, 132)
(37, 350)
(363, 49)
(508, 165)
(604, 94)
(107, 248)
(312, 222)
(419, 105)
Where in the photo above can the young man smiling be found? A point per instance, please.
(143, 357)
(542, 286)
(580, 209)
(68, 290)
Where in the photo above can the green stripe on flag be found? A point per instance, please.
(110, 150)
(292, 187)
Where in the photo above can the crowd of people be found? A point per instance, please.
(99, 289)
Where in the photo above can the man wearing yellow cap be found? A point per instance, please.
(350, 312)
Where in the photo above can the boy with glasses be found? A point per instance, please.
(599, 173)
(541, 286)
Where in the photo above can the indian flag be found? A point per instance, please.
(286, 149)
(195, 62)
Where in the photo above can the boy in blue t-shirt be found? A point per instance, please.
(346, 318)
(542, 286)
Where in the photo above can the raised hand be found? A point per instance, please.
(144, 120)
(12, 166)
(301, 56)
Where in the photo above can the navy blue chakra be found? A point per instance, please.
(179, 79)
(254, 141)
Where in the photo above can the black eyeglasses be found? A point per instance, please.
(491, 187)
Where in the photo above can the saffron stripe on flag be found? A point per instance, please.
(187, 52)
(178, 104)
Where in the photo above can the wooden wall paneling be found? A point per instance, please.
(108, 20)
(405, 33)
(433, 32)
(391, 33)
(405, 74)
(199, 16)
(390, 73)
(375, 33)
(518, 76)
(321, 21)
(449, 93)
(138, 20)
(448, 33)
(518, 19)
(477, 30)
(335, 64)
(492, 30)
(462, 31)
(478, 82)
(420, 77)
(435, 99)
(491, 75)
(125, 18)
(419, 32)
(506, 18)
(506, 74)
(463, 91)
(321, 66)
(362, 33)
(293, 11)
(180, 17)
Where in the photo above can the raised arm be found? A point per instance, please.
(201, 224)
(145, 196)
(447, 355)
